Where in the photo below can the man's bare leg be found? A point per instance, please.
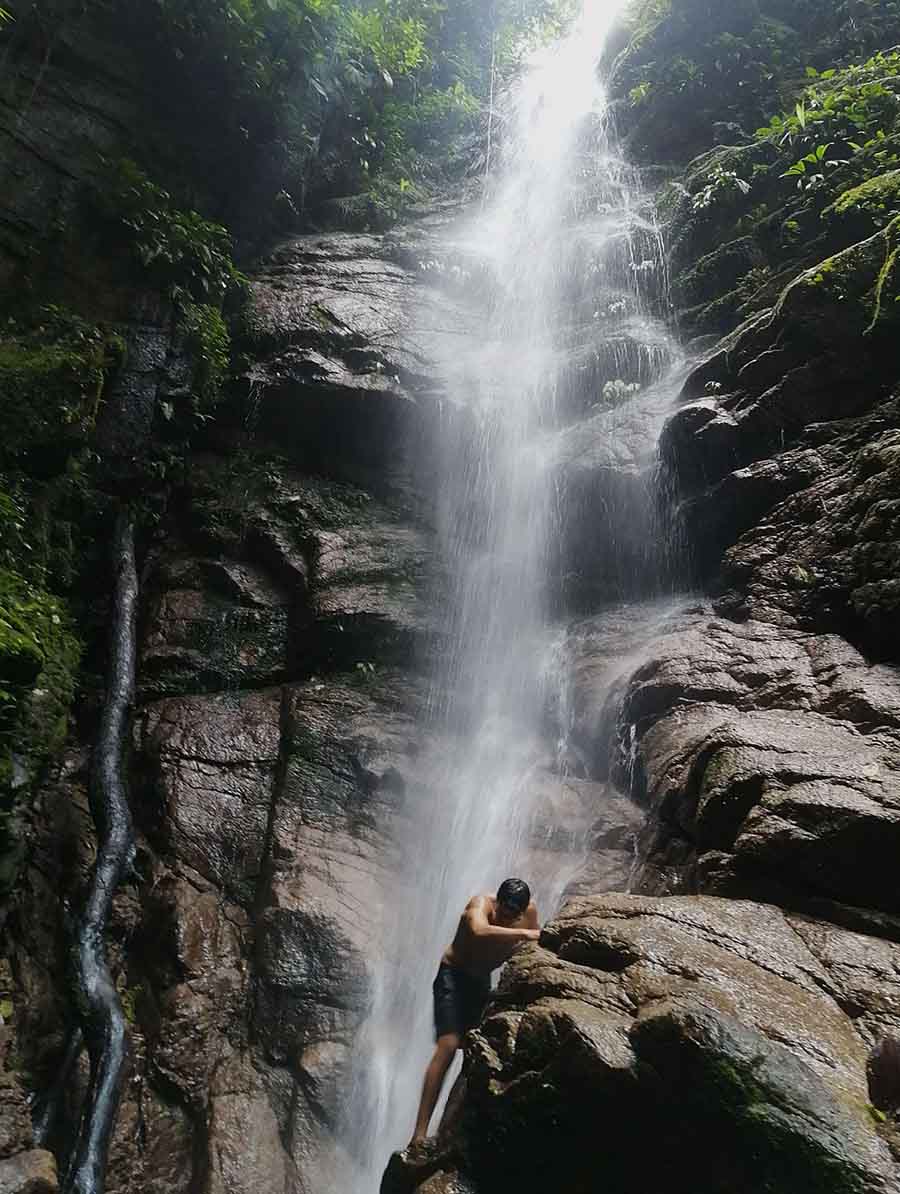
(454, 1105)
(444, 1052)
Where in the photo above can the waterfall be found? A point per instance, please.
(560, 264)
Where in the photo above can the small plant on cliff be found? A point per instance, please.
(209, 342)
(180, 248)
(886, 273)
(721, 183)
(190, 258)
(810, 170)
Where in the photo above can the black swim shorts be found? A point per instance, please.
(459, 1000)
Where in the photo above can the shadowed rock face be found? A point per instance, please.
(245, 959)
(642, 1033)
(786, 455)
(276, 729)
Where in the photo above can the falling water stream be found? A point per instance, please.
(560, 260)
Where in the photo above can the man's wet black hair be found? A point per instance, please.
(515, 894)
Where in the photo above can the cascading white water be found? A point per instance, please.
(557, 254)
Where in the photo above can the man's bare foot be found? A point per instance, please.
(419, 1145)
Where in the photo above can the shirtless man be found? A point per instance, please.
(489, 930)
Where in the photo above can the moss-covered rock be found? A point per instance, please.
(877, 199)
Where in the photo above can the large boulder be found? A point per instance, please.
(765, 756)
(707, 1027)
(338, 327)
(273, 574)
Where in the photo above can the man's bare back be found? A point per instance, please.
(487, 934)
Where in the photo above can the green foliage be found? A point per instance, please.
(319, 99)
(721, 183)
(844, 107)
(820, 175)
(178, 248)
(39, 656)
(692, 65)
(52, 373)
(809, 170)
(130, 998)
(846, 129)
(209, 342)
(390, 34)
(422, 142)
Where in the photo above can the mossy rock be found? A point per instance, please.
(855, 293)
(769, 1118)
(717, 273)
(877, 199)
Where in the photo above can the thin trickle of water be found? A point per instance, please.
(562, 266)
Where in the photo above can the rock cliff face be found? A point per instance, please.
(292, 601)
(274, 736)
(727, 1027)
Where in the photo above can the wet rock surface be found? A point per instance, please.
(607, 476)
(346, 336)
(674, 1020)
(294, 574)
(29, 1173)
(766, 756)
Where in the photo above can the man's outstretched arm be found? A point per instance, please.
(480, 926)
